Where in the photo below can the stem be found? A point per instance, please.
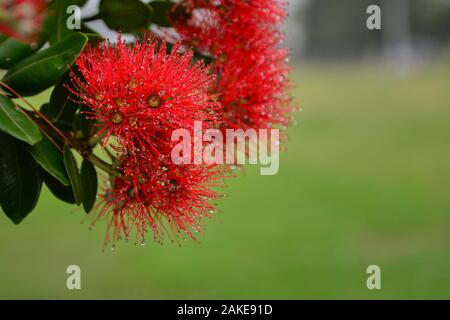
(96, 161)
(111, 155)
(40, 125)
(38, 113)
(93, 140)
(25, 112)
(86, 153)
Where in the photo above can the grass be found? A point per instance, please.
(365, 180)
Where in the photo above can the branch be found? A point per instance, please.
(96, 161)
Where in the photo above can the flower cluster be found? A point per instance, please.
(136, 93)
(139, 94)
(21, 19)
(171, 199)
(243, 39)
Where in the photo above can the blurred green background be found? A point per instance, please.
(365, 180)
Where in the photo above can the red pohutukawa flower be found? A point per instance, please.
(139, 94)
(21, 19)
(243, 37)
(137, 91)
(169, 200)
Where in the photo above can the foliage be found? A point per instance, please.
(190, 61)
(36, 143)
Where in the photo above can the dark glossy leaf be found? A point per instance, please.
(20, 183)
(94, 38)
(16, 123)
(89, 179)
(62, 192)
(79, 3)
(58, 8)
(74, 174)
(161, 11)
(82, 123)
(61, 109)
(50, 159)
(13, 50)
(60, 31)
(64, 123)
(126, 15)
(43, 69)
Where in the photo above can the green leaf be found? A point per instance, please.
(161, 11)
(13, 50)
(50, 159)
(20, 183)
(60, 191)
(58, 9)
(60, 31)
(43, 69)
(74, 174)
(94, 38)
(61, 108)
(89, 179)
(79, 3)
(126, 15)
(85, 125)
(64, 122)
(16, 123)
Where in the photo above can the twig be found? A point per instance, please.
(38, 113)
(92, 158)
